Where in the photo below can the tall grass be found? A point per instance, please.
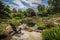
(3, 30)
(51, 34)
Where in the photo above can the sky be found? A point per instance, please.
(24, 4)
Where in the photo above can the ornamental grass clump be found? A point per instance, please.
(51, 34)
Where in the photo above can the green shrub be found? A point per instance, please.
(50, 25)
(3, 30)
(25, 20)
(41, 28)
(14, 22)
(42, 25)
(51, 34)
(30, 24)
(58, 21)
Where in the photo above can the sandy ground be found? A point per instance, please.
(25, 35)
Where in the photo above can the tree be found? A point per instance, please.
(49, 11)
(17, 14)
(14, 10)
(41, 8)
(6, 8)
(19, 10)
(3, 11)
(30, 12)
(55, 5)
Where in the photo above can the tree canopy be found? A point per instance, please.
(4, 10)
(41, 8)
(55, 5)
(30, 12)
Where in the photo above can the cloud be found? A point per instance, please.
(23, 4)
